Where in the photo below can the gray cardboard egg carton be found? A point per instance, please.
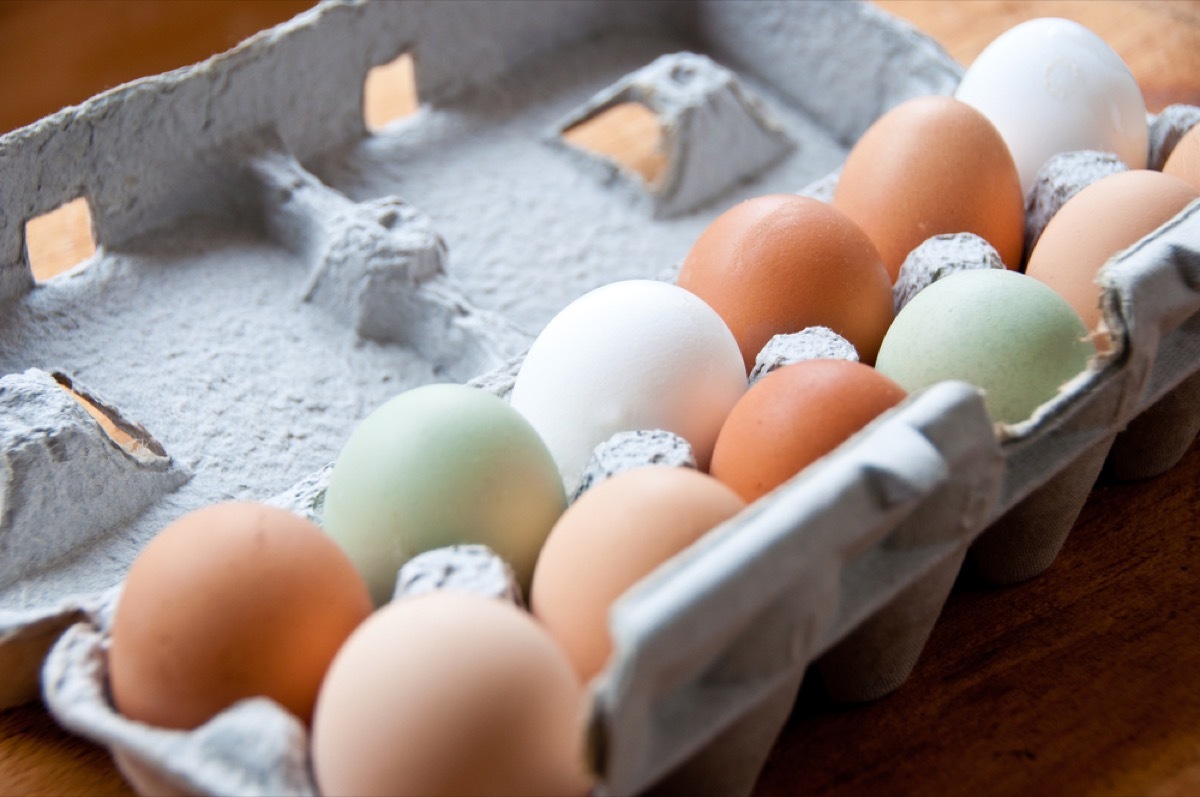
(269, 272)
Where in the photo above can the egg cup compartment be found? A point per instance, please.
(1026, 539)
(1158, 438)
(1166, 129)
(1154, 289)
(1052, 461)
(1169, 327)
(846, 567)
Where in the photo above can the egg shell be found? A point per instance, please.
(450, 694)
(1059, 179)
(794, 416)
(231, 601)
(933, 166)
(441, 465)
(1184, 160)
(778, 264)
(1002, 331)
(612, 537)
(1050, 85)
(630, 355)
(1096, 223)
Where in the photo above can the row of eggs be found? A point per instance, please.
(459, 694)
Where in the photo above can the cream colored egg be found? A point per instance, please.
(608, 540)
(1102, 219)
(1184, 161)
(450, 694)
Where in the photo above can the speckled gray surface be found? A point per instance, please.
(242, 210)
(631, 449)
(940, 256)
(808, 344)
(463, 568)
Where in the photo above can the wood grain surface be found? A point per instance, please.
(1085, 680)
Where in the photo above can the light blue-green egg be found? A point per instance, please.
(441, 465)
(1004, 332)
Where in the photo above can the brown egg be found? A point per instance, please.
(615, 534)
(794, 416)
(450, 694)
(781, 263)
(933, 166)
(1099, 221)
(1184, 161)
(232, 601)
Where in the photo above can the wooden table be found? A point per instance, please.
(1085, 680)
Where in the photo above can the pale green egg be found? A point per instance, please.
(441, 465)
(1004, 332)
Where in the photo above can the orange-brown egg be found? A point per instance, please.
(794, 416)
(616, 533)
(1184, 161)
(933, 166)
(778, 264)
(1099, 221)
(232, 601)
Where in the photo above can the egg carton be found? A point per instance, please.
(268, 272)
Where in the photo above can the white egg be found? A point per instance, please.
(1051, 85)
(630, 355)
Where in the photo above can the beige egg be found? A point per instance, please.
(232, 601)
(450, 694)
(608, 540)
(1107, 216)
(1184, 161)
